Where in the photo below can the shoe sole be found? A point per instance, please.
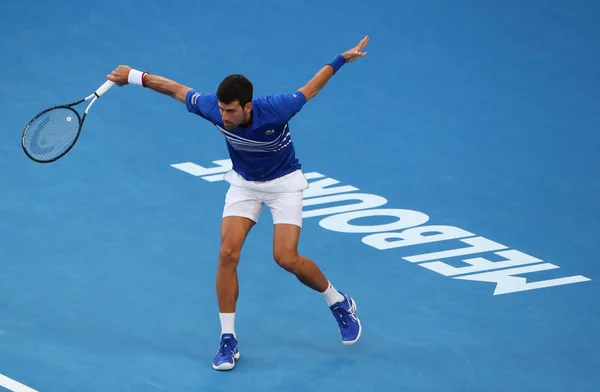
(353, 309)
(228, 366)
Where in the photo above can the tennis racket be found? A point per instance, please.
(54, 131)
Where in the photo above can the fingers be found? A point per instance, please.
(119, 75)
(113, 77)
(357, 52)
(363, 43)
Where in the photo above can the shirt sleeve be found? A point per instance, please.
(203, 104)
(285, 106)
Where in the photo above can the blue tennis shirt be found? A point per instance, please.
(263, 150)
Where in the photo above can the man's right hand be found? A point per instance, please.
(120, 75)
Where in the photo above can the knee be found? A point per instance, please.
(288, 260)
(229, 257)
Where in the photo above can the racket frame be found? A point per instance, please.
(93, 97)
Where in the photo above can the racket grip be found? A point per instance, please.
(104, 88)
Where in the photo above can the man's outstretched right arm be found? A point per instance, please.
(124, 74)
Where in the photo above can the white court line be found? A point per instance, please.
(13, 385)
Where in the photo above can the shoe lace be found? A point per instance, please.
(225, 348)
(342, 316)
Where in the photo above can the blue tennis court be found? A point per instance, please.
(454, 194)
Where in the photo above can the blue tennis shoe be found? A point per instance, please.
(227, 353)
(345, 315)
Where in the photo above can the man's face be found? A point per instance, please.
(233, 114)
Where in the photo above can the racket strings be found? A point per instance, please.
(51, 134)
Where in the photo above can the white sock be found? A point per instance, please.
(227, 321)
(332, 295)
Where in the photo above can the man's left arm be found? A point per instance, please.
(317, 82)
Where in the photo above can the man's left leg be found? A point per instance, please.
(287, 218)
(285, 253)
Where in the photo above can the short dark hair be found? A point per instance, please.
(235, 87)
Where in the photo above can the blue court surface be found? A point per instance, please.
(454, 194)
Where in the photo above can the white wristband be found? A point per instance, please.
(135, 77)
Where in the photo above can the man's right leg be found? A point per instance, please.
(234, 230)
(242, 209)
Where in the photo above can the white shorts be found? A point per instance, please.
(282, 195)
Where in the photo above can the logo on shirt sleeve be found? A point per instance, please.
(195, 98)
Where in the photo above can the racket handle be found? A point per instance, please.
(104, 88)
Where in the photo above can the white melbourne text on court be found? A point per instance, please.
(410, 232)
(13, 385)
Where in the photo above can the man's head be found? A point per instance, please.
(235, 100)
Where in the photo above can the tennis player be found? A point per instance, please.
(265, 171)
